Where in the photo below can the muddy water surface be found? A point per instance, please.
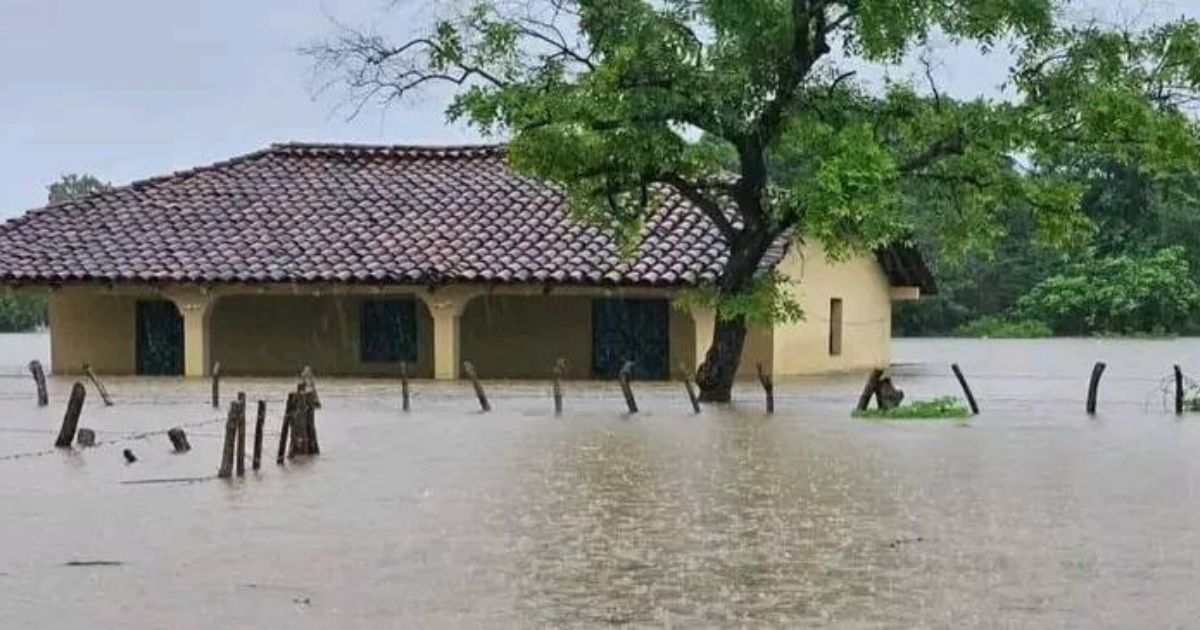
(1033, 515)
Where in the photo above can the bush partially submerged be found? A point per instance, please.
(989, 327)
(946, 407)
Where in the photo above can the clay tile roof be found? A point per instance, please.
(349, 213)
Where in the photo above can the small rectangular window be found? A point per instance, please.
(388, 331)
(835, 327)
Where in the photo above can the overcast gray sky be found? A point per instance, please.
(126, 89)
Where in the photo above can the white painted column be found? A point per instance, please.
(196, 308)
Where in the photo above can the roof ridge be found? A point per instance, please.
(396, 150)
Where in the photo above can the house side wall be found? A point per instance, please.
(94, 328)
(279, 334)
(803, 347)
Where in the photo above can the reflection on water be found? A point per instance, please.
(1033, 515)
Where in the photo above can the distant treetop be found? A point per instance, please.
(73, 186)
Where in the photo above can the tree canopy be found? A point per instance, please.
(755, 111)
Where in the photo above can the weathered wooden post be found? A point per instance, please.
(99, 385)
(216, 385)
(310, 421)
(768, 387)
(259, 423)
(404, 401)
(310, 384)
(469, 370)
(1178, 391)
(66, 434)
(962, 381)
(559, 367)
(284, 431)
(39, 378)
(85, 438)
(226, 469)
(1094, 386)
(623, 377)
(691, 391)
(872, 386)
(240, 462)
(179, 440)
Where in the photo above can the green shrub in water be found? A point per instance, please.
(1002, 328)
(936, 409)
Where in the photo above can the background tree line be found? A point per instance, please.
(1136, 274)
(26, 312)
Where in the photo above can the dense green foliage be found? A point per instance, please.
(946, 407)
(755, 112)
(993, 327)
(24, 312)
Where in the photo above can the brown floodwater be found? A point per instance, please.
(1031, 515)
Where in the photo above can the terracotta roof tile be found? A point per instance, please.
(347, 213)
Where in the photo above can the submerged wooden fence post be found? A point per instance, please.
(310, 385)
(469, 370)
(66, 434)
(310, 421)
(962, 381)
(285, 430)
(216, 385)
(39, 378)
(1094, 386)
(240, 462)
(1178, 391)
(691, 391)
(259, 422)
(864, 400)
(179, 440)
(559, 368)
(404, 385)
(623, 376)
(85, 438)
(226, 469)
(768, 387)
(99, 385)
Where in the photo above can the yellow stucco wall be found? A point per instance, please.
(509, 336)
(92, 327)
(279, 334)
(803, 347)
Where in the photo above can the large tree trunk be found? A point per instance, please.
(716, 375)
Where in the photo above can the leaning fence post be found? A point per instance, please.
(179, 440)
(240, 462)
(864, 400)
(99, 385)
(623, 376)
(216, 385)
(768, 387)
(226, 469)
(259, 421)
(469, 370)
(962, 381)
(404, 385)
(284, 431)
(39, 378)
(691, 392)
(66, 434)
(1178, 391)
(559, 368)
(1094, 386)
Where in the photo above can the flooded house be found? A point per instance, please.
(353, 259)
